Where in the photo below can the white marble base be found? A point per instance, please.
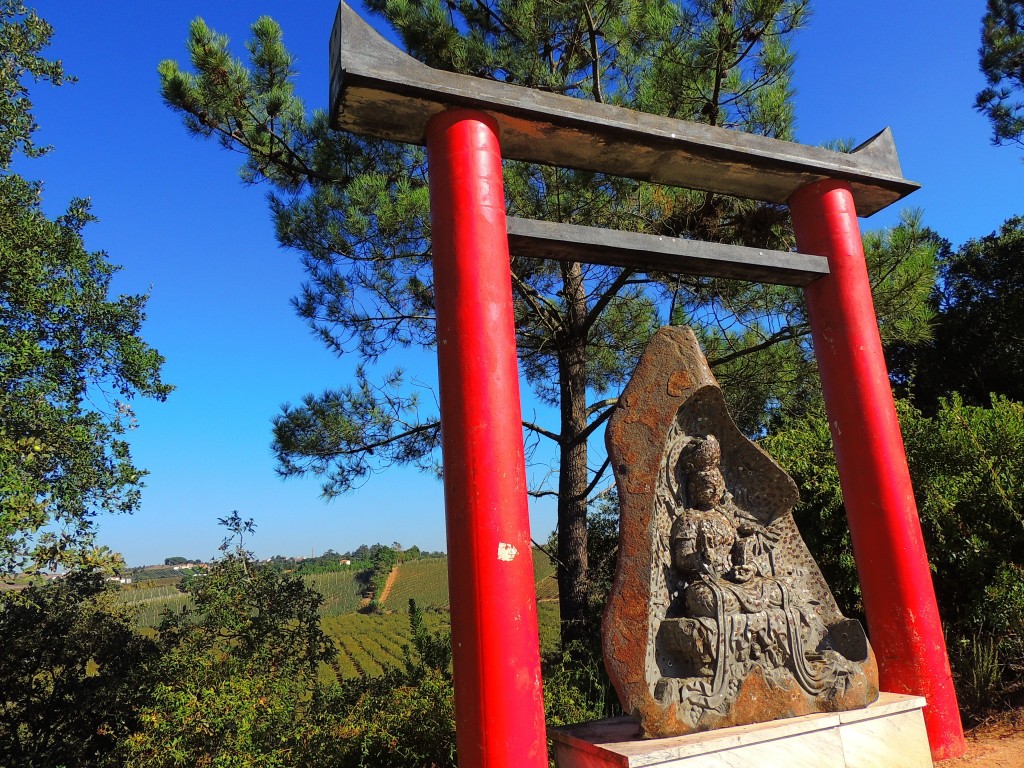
(888, 734)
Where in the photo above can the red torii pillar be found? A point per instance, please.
(495, 645)
(896, 584)
(377, 90)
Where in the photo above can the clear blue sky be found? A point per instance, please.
(174, 213)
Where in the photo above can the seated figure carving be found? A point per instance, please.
(718, 615)
(731, 612)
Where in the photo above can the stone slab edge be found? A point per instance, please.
(614, 742)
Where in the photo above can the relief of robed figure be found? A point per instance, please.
(718, 615)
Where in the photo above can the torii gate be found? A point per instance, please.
(468, 124)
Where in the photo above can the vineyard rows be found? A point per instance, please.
(544, 576)
(138, 596)
(149, 610)
(367, 643)
(425, 581)
(342, 591)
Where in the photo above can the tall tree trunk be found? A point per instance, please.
(573, 577)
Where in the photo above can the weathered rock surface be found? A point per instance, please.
(719, 615)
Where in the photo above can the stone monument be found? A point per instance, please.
(719, 615)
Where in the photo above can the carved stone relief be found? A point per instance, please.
(718, 615)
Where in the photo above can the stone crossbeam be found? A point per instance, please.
(569, 242)
(377, 90)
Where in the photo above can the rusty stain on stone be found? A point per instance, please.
(678, 383)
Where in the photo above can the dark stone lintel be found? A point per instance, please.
(651, 253)
(379, 91)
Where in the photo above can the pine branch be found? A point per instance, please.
(595, 55)
(592, 426)
(500, 22)
(541, 494)
(541, 431)
(597, 476)
(371, 447)
(545, 550)
(786, 334)
(604, 300)
(595, 407)
(545, 310)
(601, 493)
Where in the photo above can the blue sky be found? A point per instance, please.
(173, 212)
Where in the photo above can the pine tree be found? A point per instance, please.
(1002, 62)
(979, 312)
(356, 209)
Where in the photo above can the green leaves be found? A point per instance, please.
(978, 311)
(64, 347)
(1002, 62)
(967, 465)
(237, 670)
(23, 35)
(74, 673)
(236, 683)
(71, 357)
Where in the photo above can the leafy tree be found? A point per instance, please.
(357, 211)
(23, 35)
(74, 672)
(176, 560)
(967, 466)
(1002, 62)
(576, 686)
(383, 562)
(976, 348)
(237, 669)
(803, 446)
(237, 682)
(65, 346)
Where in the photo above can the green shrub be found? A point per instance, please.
(576, 687)
(74, 673)
(967, 466)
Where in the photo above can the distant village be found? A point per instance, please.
(362, 558)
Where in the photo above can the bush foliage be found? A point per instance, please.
(967, 464)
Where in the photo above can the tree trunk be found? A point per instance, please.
(573, 577)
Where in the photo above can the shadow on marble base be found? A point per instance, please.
(887, 734)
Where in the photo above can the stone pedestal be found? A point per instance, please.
(887, 734)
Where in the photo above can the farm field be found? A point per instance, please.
(367, 642)
(425, 581)
(342, 591)
(150, 600)
(544, 576)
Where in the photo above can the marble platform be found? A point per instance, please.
(888, 734)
